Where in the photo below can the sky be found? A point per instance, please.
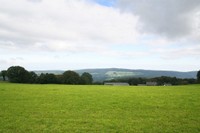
(79, 34)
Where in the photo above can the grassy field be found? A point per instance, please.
(110, 109)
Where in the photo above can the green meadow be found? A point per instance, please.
(26, 108)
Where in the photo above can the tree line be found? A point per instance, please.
(18, 74)
(159, 80)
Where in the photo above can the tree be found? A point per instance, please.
(198, 76)
(42, 79)
(51, 78)
(86, 78)
(32, 77)
(59, 78)
(47, 78)
(17, 74)
(70, 77)
(4, 73)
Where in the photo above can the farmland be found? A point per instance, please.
(75, 108)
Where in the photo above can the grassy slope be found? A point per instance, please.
(62, 108)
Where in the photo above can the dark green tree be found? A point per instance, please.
(18, 74)
(59, 78)
(70, 77)
(3, 74)
(42, 79)
(33, 77)
(51, 78)
(198, 76)
(86, 78)
(47, 78)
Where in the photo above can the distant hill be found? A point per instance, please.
(100, 75)
(113, 73)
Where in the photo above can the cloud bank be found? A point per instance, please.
(173, 19)
(63, 25)
(51, 34)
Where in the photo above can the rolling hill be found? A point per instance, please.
(112, 73)
(100, 75)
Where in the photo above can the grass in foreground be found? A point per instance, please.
(63, 108)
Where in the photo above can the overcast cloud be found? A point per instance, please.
(75, 34)
(64, 24)
(170, 18)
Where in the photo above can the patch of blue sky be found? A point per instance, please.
(108, 3)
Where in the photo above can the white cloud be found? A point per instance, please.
(87, 33)
(70, 23)
(171, 18)
(185, 52)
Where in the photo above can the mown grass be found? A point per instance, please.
(63, 108)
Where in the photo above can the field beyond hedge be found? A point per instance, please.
(28, 108)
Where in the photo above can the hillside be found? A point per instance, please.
(112, 73)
